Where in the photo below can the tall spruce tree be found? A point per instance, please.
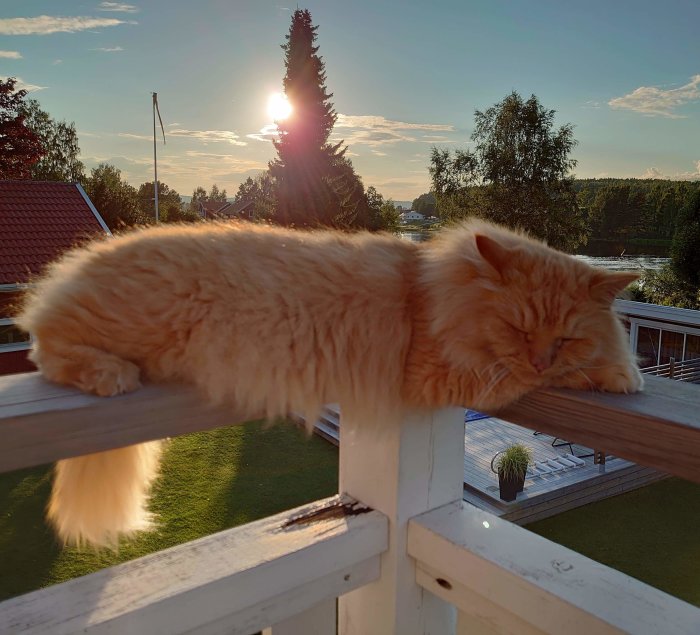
(315, 184)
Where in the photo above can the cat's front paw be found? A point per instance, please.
(619, 378)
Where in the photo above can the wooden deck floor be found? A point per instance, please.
(545, 494)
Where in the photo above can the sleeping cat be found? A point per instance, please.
(275, 321)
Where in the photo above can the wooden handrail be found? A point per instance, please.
(41, 422)
(658, 428)
(509, 580)
(236, 581)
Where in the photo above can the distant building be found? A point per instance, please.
(39, 220)
(221, 210)
(409, 216)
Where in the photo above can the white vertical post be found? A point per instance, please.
(400, 470)
(318, 620)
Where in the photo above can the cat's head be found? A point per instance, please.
(498, 297)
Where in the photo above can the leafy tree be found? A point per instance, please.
(627, 209)
(199, 195)
(168, 201)
(262, 192)
(521, 167)
(20, 147)
(685, 249)
(425, 204)
(315, 184)
(59, 139)
(115, 200)
(666, 288)
(383, 212)
(217, 195)
(177, 213)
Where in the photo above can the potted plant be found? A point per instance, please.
(511, 467)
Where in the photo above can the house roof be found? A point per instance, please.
(39, 220)
(212, 207)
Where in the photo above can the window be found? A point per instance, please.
(671, 346)
(648, 346)
(12, 338)
(692, 347)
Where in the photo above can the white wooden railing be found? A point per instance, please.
(410, 559)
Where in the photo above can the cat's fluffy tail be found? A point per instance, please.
(98, 497)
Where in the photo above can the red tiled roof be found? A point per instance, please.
(38, 221)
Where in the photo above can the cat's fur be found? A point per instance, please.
(274, 321)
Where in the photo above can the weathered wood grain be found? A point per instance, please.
(513, 581)
(234, 582)
(41, 422)
(658, 428)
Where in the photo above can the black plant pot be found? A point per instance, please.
(509, 487)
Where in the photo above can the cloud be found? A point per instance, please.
(595, 105)
(379, 122)
(209, 136)
(56, 62)
(139, 137)
(47, 24)
(267, 133)
(118, 7)
(11, 55)
(655, 173)
(426, 138)
(22, 85)
(375, 130)
(653, 101)
(112, 49)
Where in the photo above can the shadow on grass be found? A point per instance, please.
(279, 467)
(209, 481)
(28, 548)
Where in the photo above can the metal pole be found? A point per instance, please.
(155, 157)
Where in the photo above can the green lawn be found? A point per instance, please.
(210, 481)
(231, 476)
(651, 534)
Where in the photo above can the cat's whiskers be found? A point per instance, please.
(587, 378)
(497, 379)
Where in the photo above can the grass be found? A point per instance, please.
(650, 534)
(210, 481)
(215, 480)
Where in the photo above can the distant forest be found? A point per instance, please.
(637, 215)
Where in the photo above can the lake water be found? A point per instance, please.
(614, 263)
(626, 263)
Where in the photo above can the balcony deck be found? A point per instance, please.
(545, 494)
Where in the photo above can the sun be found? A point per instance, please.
(278, 108)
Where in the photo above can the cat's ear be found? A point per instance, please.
(498, 256)
(605, 285)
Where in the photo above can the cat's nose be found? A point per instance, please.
(541, 361)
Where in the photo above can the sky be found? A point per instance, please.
(405, 76)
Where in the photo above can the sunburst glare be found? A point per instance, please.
(278, 107)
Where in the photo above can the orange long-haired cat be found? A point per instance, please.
(276, 321)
